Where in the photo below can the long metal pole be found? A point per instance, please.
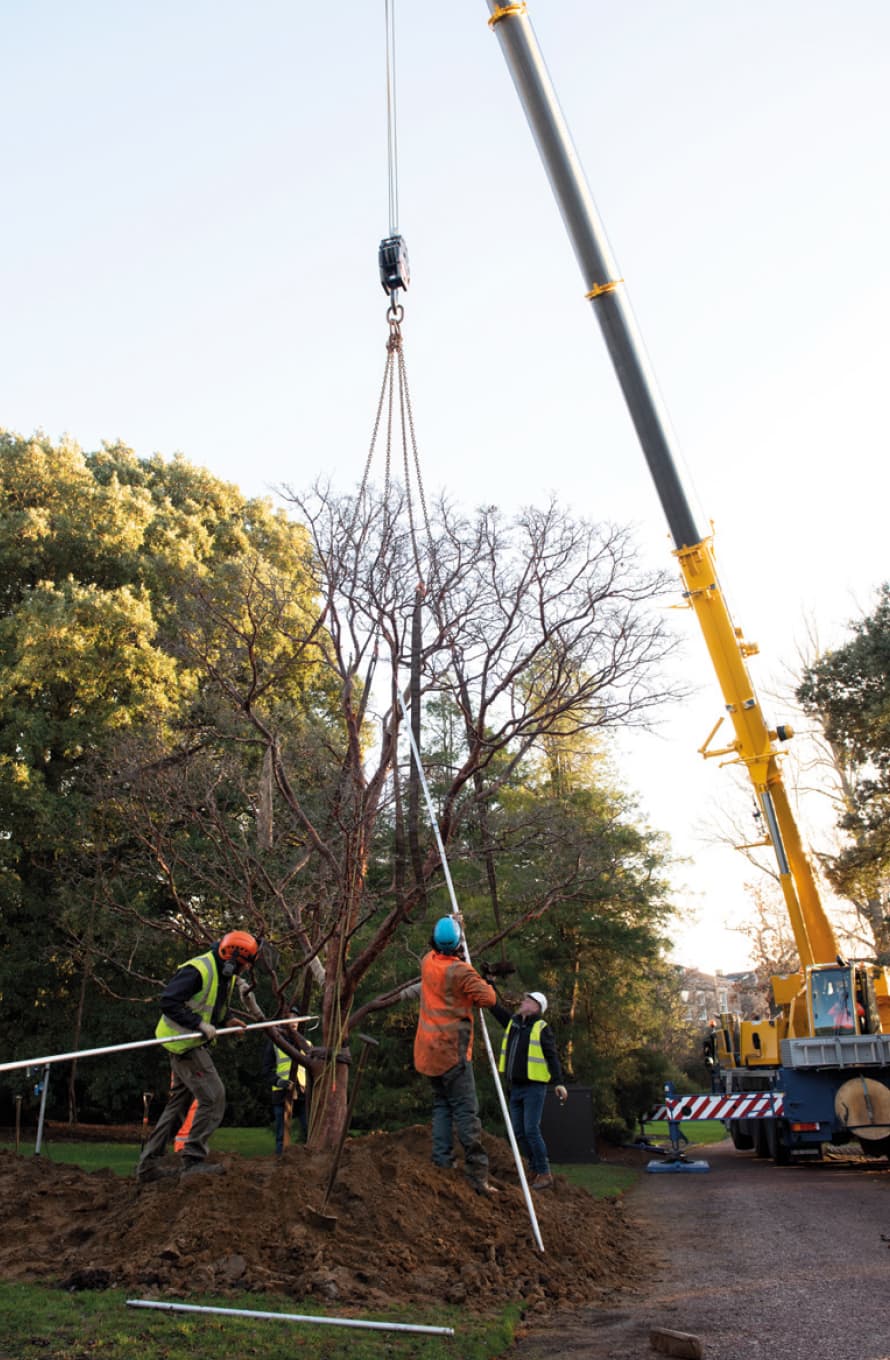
(508, 1123)
(603, 286)
(145, 1043)
(292, 1317)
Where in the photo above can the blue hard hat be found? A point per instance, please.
(446, 935)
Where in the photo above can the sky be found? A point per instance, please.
(194, 192)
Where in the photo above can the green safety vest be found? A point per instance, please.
(202, 1003)
(537, 1063)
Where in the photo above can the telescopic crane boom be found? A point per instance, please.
(818, 1069)
(754, 744)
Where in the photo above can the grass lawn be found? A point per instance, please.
(696, 1130)
(122, 1157)
(39, 1321)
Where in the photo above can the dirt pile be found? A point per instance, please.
(406, 1231)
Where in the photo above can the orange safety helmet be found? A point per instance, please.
(238, 946)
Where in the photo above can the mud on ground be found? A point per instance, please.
(406, 1231)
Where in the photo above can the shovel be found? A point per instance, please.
(318, 1216)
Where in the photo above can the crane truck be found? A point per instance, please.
(818, 1070)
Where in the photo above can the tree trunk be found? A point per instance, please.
(330, 1092)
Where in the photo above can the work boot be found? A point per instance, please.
(153, 1169)
(194, 1166)
(542, 1182)
(487, 1189)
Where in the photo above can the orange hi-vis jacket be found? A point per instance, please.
(449, 989)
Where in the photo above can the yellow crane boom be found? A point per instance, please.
(754, 745)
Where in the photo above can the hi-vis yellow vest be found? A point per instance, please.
(283, 1066)
(202, 1003)
(537, 1063)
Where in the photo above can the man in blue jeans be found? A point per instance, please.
(530, 1063)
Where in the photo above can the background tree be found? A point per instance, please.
(531, 625)
(99, 558)
(596, 942)
(847, 692)
(201, 728)
(770, 939)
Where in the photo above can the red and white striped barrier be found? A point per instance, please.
(746, 1104)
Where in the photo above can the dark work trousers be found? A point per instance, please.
(455, 1107)
(194, 1078)
(526, 1108)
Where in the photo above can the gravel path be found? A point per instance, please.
(754, 1259)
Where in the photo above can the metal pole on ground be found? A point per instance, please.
(292, 1317)
(147, 1043)
(517, 1156)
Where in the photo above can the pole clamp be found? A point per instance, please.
(504, 12)
(600, 288)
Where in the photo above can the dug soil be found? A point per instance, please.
(406, 1231)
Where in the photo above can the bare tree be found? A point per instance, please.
(529, 626)
(829, 768)
(817, 771)
(769, 935)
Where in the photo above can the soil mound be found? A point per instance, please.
(406, 1231)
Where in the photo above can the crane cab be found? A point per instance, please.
(841, 1000)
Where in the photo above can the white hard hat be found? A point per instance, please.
(540, 998)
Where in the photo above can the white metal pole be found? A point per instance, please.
(517, 1156)
(146, 1043)
(292, 1317)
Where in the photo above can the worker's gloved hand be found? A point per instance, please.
(282, 1083)
(486, 971)
(234, 1023)
(208, 1030)
(562, 1094)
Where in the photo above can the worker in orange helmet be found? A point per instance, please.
(450, 990)
(194, 1005)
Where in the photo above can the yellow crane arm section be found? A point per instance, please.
(755, 748)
